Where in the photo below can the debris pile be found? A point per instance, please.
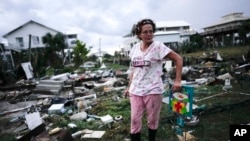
(35, 109)
(61, 106)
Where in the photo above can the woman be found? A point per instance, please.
(146, 87)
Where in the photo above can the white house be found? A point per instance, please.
(32, 31)
(225, 31)
(71, 40)
(171, 33)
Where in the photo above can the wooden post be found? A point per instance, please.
(29, 47)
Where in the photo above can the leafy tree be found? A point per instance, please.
(92, 58)
(107, 56)
(80, 53)
(193, 45)
(186, 47)
(196, 41)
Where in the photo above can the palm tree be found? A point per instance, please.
(49, 53)
(60, 44)
(53, 45)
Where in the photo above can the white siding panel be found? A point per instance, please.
(168, 38)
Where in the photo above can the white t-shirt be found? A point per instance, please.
(147, 69)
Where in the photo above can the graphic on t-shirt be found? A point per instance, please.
(140, 62)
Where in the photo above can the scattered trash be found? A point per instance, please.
(186, 137)
(56, 109)
(78, 133)
(93, 134)
(193, 121)
(33, 120)
(79, 116)
(118, 117)
(55, 130)
(227, 84)
(107, 119)
(72, 125)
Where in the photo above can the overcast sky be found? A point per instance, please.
(106, 21)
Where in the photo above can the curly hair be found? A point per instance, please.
(138, 27)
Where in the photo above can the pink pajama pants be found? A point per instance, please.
(152, 104)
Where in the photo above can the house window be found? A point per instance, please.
(35, 40)
(19, 41)
(72, 36)
(73, 42)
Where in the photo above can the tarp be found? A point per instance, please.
(103, 66)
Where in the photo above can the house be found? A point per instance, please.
(71, 40)
(19, 37)
(225, 31)
(32, 31)
(171, 33)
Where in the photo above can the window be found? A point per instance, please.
(73, 42)
(19, 41)
(72, 36)
(35, 40)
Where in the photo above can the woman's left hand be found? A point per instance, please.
(177, 86)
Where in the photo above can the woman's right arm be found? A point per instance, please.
(130, 77)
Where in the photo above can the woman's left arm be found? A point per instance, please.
(177, 59)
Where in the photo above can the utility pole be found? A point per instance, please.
(119, 55)
(100, 51)
(30, 47)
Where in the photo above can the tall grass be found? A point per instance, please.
(233, 51)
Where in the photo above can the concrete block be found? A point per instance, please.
(107, 119)
(56, 109)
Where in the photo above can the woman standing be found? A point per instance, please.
(146, 87)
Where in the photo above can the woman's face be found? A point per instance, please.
(146, 34)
